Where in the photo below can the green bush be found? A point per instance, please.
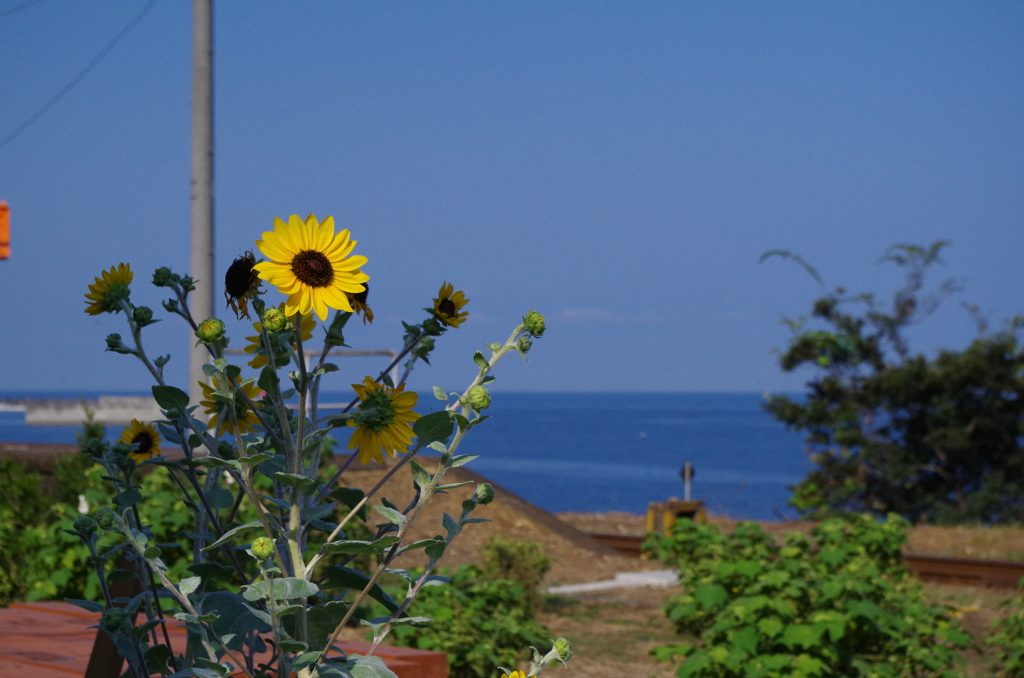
(483, 618)
(1008, 638)
(837, 604)
(519, 561)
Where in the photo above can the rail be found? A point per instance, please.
(938, 569)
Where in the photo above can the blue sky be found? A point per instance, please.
(619, 166)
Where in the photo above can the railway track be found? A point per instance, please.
(961, 571)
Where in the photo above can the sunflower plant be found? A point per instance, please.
(269, 597)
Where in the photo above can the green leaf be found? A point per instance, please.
(710, 595)
(350, 497)
(339, 576)
(211, 570)
(440, 394)
(169, 397)
(285, 588)
(306, 659)
(293, 645)
(802, 635)
(227, 536)
(220, 498)
(770, 627)
(255, 459)
(216, 462)
(236, 618)
(435, 426)
(463, 459)
(392, 515)
(480, 360)
(419, 474)
(746, 639)
(303, 484)
(326, 368)
(357, 547)
(189, 585)
(128, 498)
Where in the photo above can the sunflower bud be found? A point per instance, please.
(115, 344)
(534, 324)
(478, 398)
(484, 494)
(262, 548)
(210, 331)
(115, 618)
(274, 320)
(524, 344)
(564, 649)
(106, 519)
(143, 315)
(170, 305)
(121, 450)
(163, 277)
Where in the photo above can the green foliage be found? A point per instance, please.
(837, 604)
(519, 561)
(480, 623)
(1008, 638)
(935, 440)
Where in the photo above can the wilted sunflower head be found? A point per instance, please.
(110, 289)
(242, 284)
(143, 435)
(358, 301)
(448, 306)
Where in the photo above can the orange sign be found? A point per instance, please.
(5, 230)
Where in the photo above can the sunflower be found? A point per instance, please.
(359, 307)
(389, 429)
(105, 295)
(311, 264)
(255, 345)
(241, 284)
(221, 418)
(447, 306)
(514, 674)
(143, 435)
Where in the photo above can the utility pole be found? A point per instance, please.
(201, 302)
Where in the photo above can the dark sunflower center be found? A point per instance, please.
(239, 277)
(144, 441)
(313, 268)
(447, 307)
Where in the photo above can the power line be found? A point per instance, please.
(80, 76)
(15, 10)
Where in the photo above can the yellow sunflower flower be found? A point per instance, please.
(221, 417)
(145, 436)
(110, 288)
(389, 430)
(311, 264)
(255, 343)
(514, 674)
(447, 306)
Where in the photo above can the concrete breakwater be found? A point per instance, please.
(64, 412)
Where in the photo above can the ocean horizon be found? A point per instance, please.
(594, 452)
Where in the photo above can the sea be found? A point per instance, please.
(596, 452)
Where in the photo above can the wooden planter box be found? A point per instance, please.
(52, 640)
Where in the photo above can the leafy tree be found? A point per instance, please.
(935, 440)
